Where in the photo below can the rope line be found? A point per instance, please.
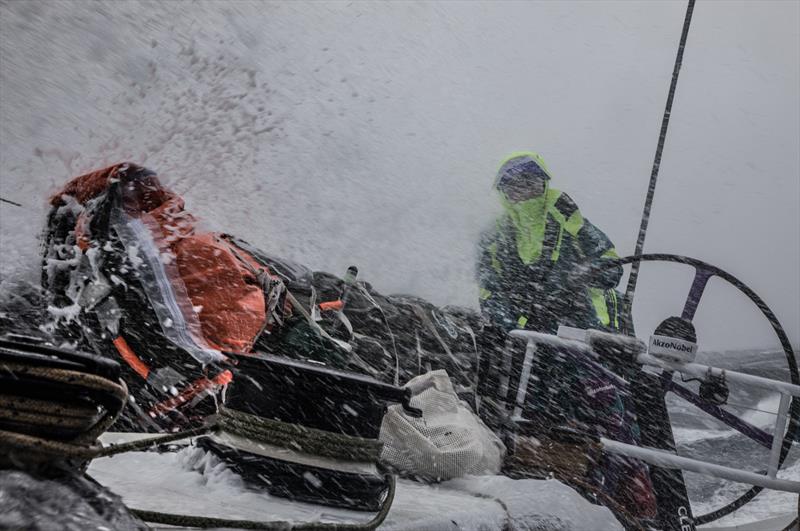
(34, 414)
(301, 438)
(205, 522)
(143, 444)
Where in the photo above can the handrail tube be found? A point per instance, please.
(777, 439)
(555, 341)
(668, 460)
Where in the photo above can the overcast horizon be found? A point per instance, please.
(343, 133)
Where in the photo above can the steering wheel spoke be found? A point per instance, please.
(701, 278)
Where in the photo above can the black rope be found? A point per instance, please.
(205, 522)
(657, 163)
(144, 444)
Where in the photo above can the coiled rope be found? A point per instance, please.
(84, 420)
(304, 439)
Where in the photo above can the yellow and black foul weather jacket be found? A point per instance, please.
(530, 260)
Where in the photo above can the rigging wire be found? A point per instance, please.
(739, 406)
(656, 164)
(10, 202)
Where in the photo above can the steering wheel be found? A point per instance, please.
(703, 273)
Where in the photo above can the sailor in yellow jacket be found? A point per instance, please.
(530, 260)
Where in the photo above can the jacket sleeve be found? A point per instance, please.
(493, 301)
(598, 249)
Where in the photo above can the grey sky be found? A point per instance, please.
(366, 133)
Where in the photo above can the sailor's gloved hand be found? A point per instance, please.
(607, 278)
(598, 274)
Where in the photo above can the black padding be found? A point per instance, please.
(305, 483)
